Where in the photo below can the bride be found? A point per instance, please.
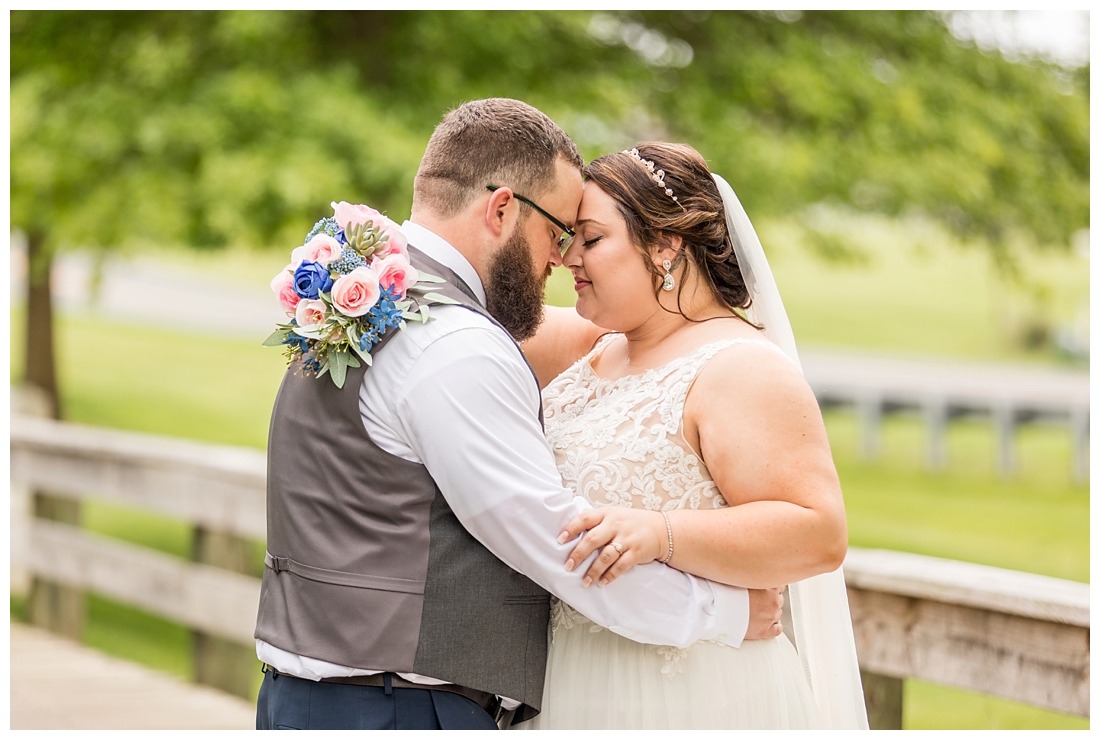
(678, 408)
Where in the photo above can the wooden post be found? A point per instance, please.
(57, 607)
(1004, 421)
(20, 533)
(870, 416)
(883, 695)
(1079, 431)
(935, 419)
(218, 662)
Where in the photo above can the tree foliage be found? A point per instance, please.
(214, 128)
(198, 128)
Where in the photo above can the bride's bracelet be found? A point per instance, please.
(668, 526)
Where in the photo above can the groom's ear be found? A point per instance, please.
(498, 209)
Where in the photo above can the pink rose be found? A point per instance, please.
(283, 285)
(322, 249)
(395, 244)
(346, 214)
(355, 293)
(395, 272)
(310, 314)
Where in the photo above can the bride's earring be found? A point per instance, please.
(670, 282)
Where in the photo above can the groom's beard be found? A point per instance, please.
(514, 290)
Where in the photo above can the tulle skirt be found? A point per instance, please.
(597, 680)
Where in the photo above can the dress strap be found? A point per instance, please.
(762, 342)
(680, 381)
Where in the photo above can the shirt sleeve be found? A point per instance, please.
(469, 410)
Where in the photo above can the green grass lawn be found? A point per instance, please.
(221, 390)
(150, 380)
(1036, 521)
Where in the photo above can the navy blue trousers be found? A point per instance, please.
(289, 703)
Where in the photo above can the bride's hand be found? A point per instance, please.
(628, 537)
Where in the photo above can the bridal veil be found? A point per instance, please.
(819, 605)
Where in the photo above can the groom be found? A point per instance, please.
(413, 515)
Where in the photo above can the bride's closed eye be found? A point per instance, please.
(590, 242)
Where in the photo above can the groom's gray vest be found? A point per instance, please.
(368, 567)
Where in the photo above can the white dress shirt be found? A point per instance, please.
(456, 396)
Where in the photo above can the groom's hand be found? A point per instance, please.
(765, 613)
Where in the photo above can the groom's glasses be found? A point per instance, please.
(567, 233)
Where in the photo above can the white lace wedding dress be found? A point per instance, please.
(621, 443)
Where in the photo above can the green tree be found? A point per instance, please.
(882, 111)
(212, 128)
(199, 129)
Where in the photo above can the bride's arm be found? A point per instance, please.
(761, 436)
(562, 339)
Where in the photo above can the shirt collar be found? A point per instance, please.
(440, 250)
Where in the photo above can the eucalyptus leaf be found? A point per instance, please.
(423, 277)
(338, 363)
(278, 337)
(438, 298)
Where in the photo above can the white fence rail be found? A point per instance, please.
(1008, 396)
(1015, 635)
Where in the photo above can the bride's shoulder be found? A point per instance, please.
(745, 367)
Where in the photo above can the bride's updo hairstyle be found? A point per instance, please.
(696, 214)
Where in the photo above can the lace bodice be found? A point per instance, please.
(621, 442)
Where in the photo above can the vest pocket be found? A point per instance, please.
(343, 578)
(529, 600)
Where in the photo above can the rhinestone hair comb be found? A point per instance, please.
(658, 176)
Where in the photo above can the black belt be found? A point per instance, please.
(489, 702)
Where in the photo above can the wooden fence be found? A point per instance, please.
(940, 391)
(1011, 634)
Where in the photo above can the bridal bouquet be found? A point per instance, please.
(345, 287)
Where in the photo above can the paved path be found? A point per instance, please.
(57, 684)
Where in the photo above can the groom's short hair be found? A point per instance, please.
(496, 141)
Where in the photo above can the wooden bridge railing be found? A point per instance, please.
(1011, 634)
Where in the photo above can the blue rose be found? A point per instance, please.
(311, 279)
